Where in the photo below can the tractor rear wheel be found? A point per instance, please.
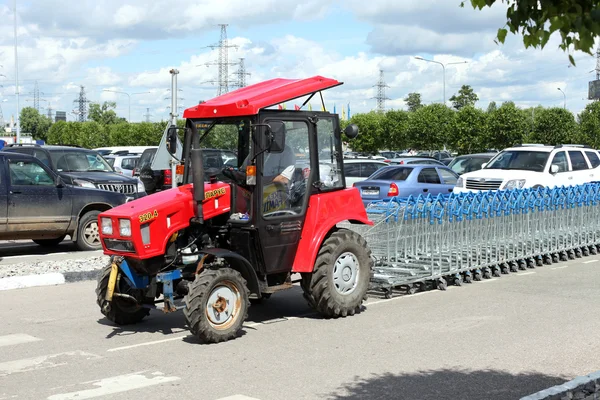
(338, 284)
(216, 305)
(121, 311)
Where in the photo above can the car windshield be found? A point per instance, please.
(392, 174)
(146, 158)
(462, 165)
(520, 160)
(110, 161)
(79, 161)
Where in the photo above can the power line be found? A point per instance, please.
(380, 97)
(147, 115)
(223, 61)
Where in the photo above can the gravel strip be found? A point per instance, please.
(67, 267)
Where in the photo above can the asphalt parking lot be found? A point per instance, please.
(497, 339)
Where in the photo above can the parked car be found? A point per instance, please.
(123, 164)
(390, 154)
(405, 160)
(447, 161)
(35, 203)
(157, 180)
(105, 151)
(533, 166)
(470, 162)
(357, 170)
(436, 155)
(407, 180)
(82, 167)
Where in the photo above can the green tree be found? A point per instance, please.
(56, 132)
(121, 134)
(394, 126)
(589, 125)
(465, 97)
(371, 137)
(104, 113)
(33, 122)
(468, 133)
(577, 22)
(554, 126)
(492, 107)
(429, 127)
(413, 101)
(506, 126)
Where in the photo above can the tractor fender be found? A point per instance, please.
(324, 212)
(240, 264)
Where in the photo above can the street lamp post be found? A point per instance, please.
(443, 68)
(18, 138)
(128, 97)
(565, 98)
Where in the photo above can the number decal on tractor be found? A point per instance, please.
(214, 193)
(148, 216)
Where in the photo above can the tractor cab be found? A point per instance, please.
(258, 219)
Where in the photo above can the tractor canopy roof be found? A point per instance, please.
(251, 99)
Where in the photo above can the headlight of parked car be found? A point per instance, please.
(514, 184)
(83, 183)
(140, 186)
(460, 182)
(124, 227)
(106, 226)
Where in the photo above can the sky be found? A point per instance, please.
(130, 46)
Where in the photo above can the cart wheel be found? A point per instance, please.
(216, 305)
(563, 256)
(442, 284)
(547, 259)
(504, 268)
(530, 263)
(585, 251)
(578, 253)
(571, 254)
(539, 261)
(457, 280)
(387, 293)
(487, 274)
(477, 275)
(412, 289)
(468, 277)
(593, 250)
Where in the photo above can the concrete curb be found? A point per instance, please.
(51, 279)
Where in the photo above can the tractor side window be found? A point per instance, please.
(330, 175)
(285, 174)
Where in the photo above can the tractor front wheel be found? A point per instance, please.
(216, 305)
(120, 311)
(338, 284)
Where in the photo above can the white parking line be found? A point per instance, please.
(116, 384)
(238, 397)
(17, 338)
(590, 261)
(526, 273)
(41, 362)
(564, 266)
(133, 346)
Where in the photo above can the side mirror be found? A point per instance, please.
(483, 165)
(276, 133)
(58, 182)
(351, 131)
(554, 169)
(172, 140)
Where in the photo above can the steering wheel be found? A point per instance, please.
(279, 213)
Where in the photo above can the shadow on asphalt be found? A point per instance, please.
(447, 384)
(8, 249)
(277, 308)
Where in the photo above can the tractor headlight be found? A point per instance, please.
(124, 227)
(140, 186)
(514, 184)
(459, 182)
(106, 226)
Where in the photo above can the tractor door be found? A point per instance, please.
(281, 203)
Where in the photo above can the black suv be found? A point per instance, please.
(156, 180)
(82, 167)
(36, 204)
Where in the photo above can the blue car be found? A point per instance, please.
(406, 180)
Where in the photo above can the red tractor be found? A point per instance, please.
(237, 231)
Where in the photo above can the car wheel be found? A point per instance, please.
(88, 234)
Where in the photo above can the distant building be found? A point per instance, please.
(60, 116)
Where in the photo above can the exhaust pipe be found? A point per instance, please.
(198, 179)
